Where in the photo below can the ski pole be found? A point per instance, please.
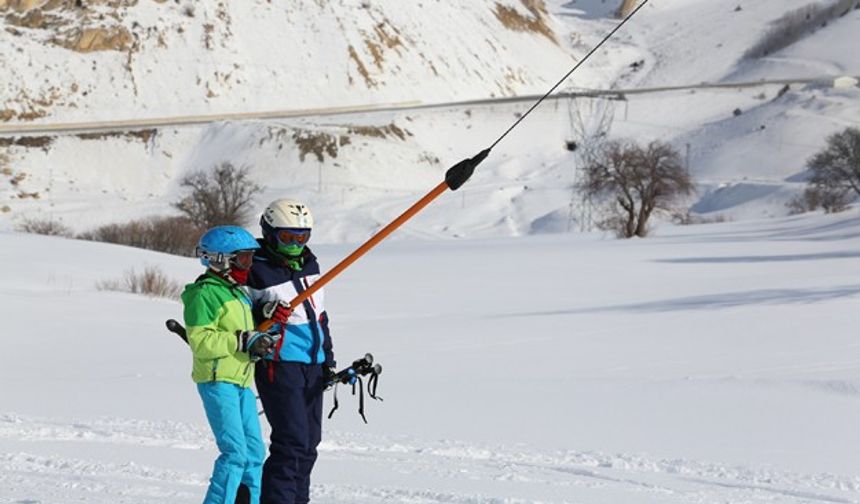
(350, 375)
(177, 329)
(455, 177)
(359, 367)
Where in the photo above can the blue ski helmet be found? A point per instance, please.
(220, 243)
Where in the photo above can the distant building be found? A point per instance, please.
(846, 82)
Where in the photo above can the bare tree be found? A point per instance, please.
(637, 180)
(836, 170)
(218, 198)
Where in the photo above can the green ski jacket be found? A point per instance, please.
(214, 311)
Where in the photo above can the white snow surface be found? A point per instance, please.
(259, 55)
(745, 166)
(712, 363)
(523, 363)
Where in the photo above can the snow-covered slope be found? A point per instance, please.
(709, 364)
(360, 170)
(133, 59)
(529, 364)
(750, 165)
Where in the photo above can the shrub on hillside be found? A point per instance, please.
(808, 201)
(152, 282)
(687, 218)
(173, 235)
(813, 198)
(47, 227)
(217, 198)
(795, 24)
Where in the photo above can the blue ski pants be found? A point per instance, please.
(292, 396)
(232, 414)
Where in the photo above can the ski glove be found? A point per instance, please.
(277, 311)
(330, 377)
(328, 374)
(257, 344)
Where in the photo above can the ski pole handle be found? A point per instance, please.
(177, 329)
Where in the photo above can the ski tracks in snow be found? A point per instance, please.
(30, 479)
(365, 468)
(575, 476)
(112, 430)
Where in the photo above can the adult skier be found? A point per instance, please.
(291, 381)
(224, 344)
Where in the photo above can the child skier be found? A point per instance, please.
(221, 335)
(292, 380)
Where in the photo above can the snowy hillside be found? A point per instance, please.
(711, 364)
(165, 59)
(526, 361)
(114, 59)
(748, 166)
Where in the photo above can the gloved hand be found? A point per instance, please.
(278, 311)
(328, 374)
(257, 344)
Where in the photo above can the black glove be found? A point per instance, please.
(257, 344)
(328, 374)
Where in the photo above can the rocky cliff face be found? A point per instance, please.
(627, 7)
(71, 24)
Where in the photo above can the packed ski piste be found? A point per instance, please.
(707, 363)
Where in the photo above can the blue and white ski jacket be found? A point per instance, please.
(307, 338)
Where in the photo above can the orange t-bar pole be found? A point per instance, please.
(455, 177)
(369, 244)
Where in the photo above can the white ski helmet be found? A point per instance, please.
(287, 213)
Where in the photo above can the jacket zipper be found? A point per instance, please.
(233, 290)
(313, 323)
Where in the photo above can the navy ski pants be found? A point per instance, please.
(292, 397)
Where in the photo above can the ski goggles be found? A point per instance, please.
(242, 259)
(293, 236)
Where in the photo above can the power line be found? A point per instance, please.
(568, 74)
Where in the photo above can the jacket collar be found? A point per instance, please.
(209, 277)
